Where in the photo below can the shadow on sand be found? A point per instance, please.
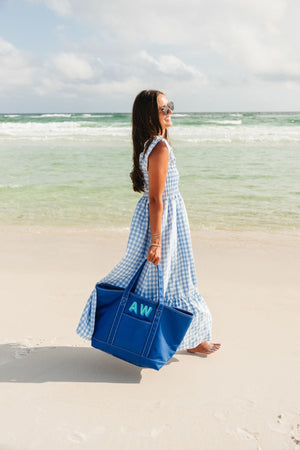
(19, 364)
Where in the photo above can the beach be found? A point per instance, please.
(58, 392)
(79, 110)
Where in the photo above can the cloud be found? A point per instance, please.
(169, 66)
(62, 73)
(259, 38)
(212, 51)
(16, 68)
(73, 66)
(62, 7)
(261, 45)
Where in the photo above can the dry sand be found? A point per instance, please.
(58, 393)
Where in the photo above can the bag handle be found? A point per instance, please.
(128, 289)
(156, 318)
(132, 284)
(134, 280)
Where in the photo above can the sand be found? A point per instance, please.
(59, 393)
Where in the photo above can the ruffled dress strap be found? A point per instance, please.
(153, 144)
(145, 155)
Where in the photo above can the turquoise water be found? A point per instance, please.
(239, 171)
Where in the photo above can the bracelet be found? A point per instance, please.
(154, 245)
(155, 235)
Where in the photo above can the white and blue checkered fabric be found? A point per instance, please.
(177, 261)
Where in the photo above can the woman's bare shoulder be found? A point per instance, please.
(159, 155)
(160, 147)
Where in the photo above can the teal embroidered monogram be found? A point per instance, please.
(144, 309)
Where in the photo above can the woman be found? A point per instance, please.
(159, 229)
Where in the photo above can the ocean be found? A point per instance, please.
(238, 171)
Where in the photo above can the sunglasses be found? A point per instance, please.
(166, 108)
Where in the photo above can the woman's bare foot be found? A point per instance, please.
(205, 347)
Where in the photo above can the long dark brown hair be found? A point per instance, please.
(145, 126)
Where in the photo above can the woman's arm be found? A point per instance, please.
(157, 172)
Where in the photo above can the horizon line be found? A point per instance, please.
(177, 112)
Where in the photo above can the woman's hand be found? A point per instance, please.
(154, 254)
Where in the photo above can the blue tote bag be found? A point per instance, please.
(135, 329)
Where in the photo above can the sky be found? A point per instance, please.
(97, 55)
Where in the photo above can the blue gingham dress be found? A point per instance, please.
(177, 262)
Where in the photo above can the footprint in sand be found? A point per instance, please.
(240, 405)
(244, 404)
(154, 406)
(77, 437)
(13, 350)
(243, 433)
(221, 415)
(288, 424)
(21, 352)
